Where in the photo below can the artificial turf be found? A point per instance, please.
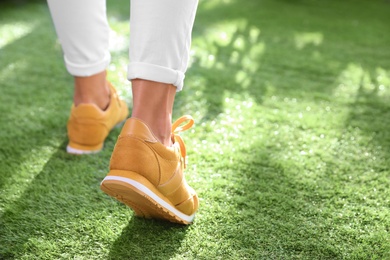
(290, 154)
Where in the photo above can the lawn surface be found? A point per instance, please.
(290, 154)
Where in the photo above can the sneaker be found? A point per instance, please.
(148, 176)
(88, 125)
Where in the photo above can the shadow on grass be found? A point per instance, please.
(5, 5)
(148, 239)
(29, 118)
(270, 207)
(370, 114)
(53, 201)
(45, 217)
(267, 211)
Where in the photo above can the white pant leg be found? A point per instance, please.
(83, 31)
(160, 39)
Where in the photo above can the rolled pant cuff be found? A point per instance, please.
(85, 70)
(146, 71)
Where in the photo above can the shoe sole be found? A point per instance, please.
(139, 194)
(72, 150)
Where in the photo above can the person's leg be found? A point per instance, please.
(147, 164)
(83, 32)
(153, 104)
(92, 89)
(160, 40)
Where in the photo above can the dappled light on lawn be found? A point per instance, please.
(229, 44)
(356, 78)
(303, 39)
(12, 32)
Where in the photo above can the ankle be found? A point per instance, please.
(92, 90)
(161, 129)
(153, 104)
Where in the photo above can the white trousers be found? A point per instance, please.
(160, 37)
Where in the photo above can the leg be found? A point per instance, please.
(153, 104)
(160, 41)
(147, 165)
(93, 90)
(83, 32)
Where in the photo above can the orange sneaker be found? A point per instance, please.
(148, 176)
(88, 126)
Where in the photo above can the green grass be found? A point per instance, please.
(290, 154)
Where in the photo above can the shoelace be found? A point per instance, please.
(182, 124)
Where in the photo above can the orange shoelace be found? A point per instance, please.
(182, 124)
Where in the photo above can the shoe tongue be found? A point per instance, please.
(136, 127)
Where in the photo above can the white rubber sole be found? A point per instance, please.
(80, 152)
(146, 192)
